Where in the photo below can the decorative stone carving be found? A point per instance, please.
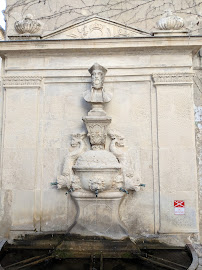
(117, 147)
(67, 179)
(96, 27)
(170, 22)
(97, 134)
(97, 94)
(97, 121)
(117, 144)
(118, 182)
(97, 159)
(76, 184)
(98, 171)
(21, 81)
(63, 181)
(27, 25)
(86, 31)
(96, 165)
(97, 131)
(173, 78)
(97, 184)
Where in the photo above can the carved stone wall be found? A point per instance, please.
(43, 105)
(41, 101)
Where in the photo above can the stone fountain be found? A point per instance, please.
(96, 178)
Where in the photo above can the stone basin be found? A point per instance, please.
(97, 170)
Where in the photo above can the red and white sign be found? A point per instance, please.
(179, 207)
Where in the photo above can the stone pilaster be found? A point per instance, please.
(177, 157)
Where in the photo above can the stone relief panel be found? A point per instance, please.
(117, 147)
(78, 147)
(96, 28)
(97, 168)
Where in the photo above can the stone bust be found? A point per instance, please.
(97, 94)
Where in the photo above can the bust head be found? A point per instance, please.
(97, 75)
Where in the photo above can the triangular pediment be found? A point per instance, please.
(96, 27)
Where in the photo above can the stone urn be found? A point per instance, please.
(97, 170)
(170, 22)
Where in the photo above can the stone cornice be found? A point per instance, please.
(176, 78)
(173, 43)
(21, 81)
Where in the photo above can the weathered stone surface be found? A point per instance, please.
(5, 212)
(19, 168)
(178, 223)
(198, 123)
(95, 28)
(27, 25)
(23, 206)
(151, 81)
(99, 216)
(170, 22)
(58, 211)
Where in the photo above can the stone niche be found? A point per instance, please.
(151, 79)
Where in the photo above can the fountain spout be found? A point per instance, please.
(123, 190)
(54, 184)
(96, 193)
(69, 191)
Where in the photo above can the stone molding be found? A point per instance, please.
(25, 37)
(180, 78)
(10, 81)
(190, 44)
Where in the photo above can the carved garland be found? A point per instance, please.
(181, 78)
(21, 81)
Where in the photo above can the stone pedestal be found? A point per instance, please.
(98, 216)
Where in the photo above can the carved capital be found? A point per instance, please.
(177, 78)
(21, 81)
